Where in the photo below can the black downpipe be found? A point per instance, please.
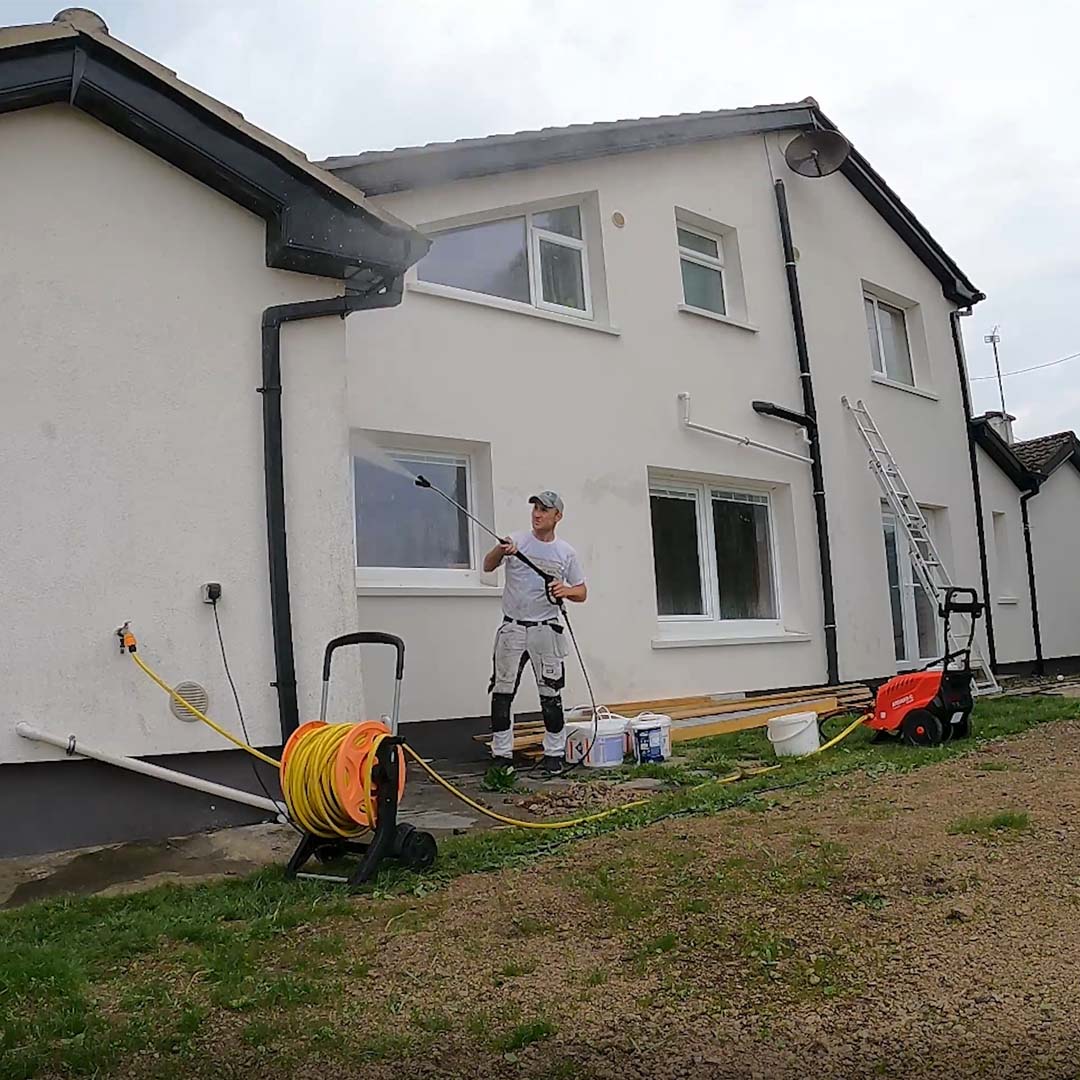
(810, 411)
(274, 475)
(1036, 631)
(976, 486)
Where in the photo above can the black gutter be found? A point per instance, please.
(976, 486)
(383, 292)
(809, 421)
(1036, 631)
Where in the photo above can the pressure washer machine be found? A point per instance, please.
(934, 705)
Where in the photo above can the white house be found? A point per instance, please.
(580, 280)
(173, 284)
(1031, 510)
(608, 310)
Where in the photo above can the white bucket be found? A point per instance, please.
(650, 737)
(606, 750)
(795, 735)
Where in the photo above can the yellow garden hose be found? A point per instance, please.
(312, 785)
(307, 783)
(838, 738)
(481, 809)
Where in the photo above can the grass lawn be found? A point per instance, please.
(86, 983)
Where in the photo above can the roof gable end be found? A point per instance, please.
(315, 223)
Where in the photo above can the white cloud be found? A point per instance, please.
(963, 107)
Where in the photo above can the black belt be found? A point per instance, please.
(523, 622)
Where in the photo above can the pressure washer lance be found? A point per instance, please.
(423, 482)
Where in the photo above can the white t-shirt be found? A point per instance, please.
(524, 596)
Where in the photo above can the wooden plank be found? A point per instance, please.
(751, 704)
(712, 708)
(735, 701)
(854, 697)
(684, 732)
(659, 704)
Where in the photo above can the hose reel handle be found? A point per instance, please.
(366, 637)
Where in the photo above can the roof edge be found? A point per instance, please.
(315, 223)
(1002, 455)
(383, 172)
(380, 172)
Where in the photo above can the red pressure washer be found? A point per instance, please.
(932, 706)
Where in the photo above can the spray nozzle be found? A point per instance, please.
(423, 482)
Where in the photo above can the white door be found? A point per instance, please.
(915, 624)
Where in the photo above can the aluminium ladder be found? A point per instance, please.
(925, 560)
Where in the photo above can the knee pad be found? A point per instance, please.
(500, 711)
(552, 710)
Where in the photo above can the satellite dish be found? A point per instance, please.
(817, 153)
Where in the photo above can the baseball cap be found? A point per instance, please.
(548, 499)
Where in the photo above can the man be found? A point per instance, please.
(532, 629)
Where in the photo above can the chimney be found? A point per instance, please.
(82, 19)
(1002, 423)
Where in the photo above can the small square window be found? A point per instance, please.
(701, 258)
(566, 221)
(890, 350)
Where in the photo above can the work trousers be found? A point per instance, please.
(544, 646)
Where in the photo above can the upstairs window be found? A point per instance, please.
(537, 258)
(701, 256)
(890, 350)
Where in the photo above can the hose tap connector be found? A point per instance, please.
(127, 638)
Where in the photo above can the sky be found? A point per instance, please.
(963, 107)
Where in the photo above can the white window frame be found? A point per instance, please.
(907, 583)
(536, 234)
(394, 578)
(690, 255)
(533, 235)
(877, 302)
(702, 493)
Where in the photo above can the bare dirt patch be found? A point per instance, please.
(858, 932)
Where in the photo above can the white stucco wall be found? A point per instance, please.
(131, 441)
(1055, 523)
(589, 414)
(1010, 596)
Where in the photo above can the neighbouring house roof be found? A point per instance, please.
(1048, 452)
(1027, 464)
(315, 223)
(381, 171)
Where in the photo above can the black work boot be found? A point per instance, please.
(553, 765)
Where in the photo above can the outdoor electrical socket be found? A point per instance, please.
(211, 592)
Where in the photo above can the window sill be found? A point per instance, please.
(881, 380)
(727, 639)
(690, 310)
(427, 288)
(494, 591)
(1008, 600)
